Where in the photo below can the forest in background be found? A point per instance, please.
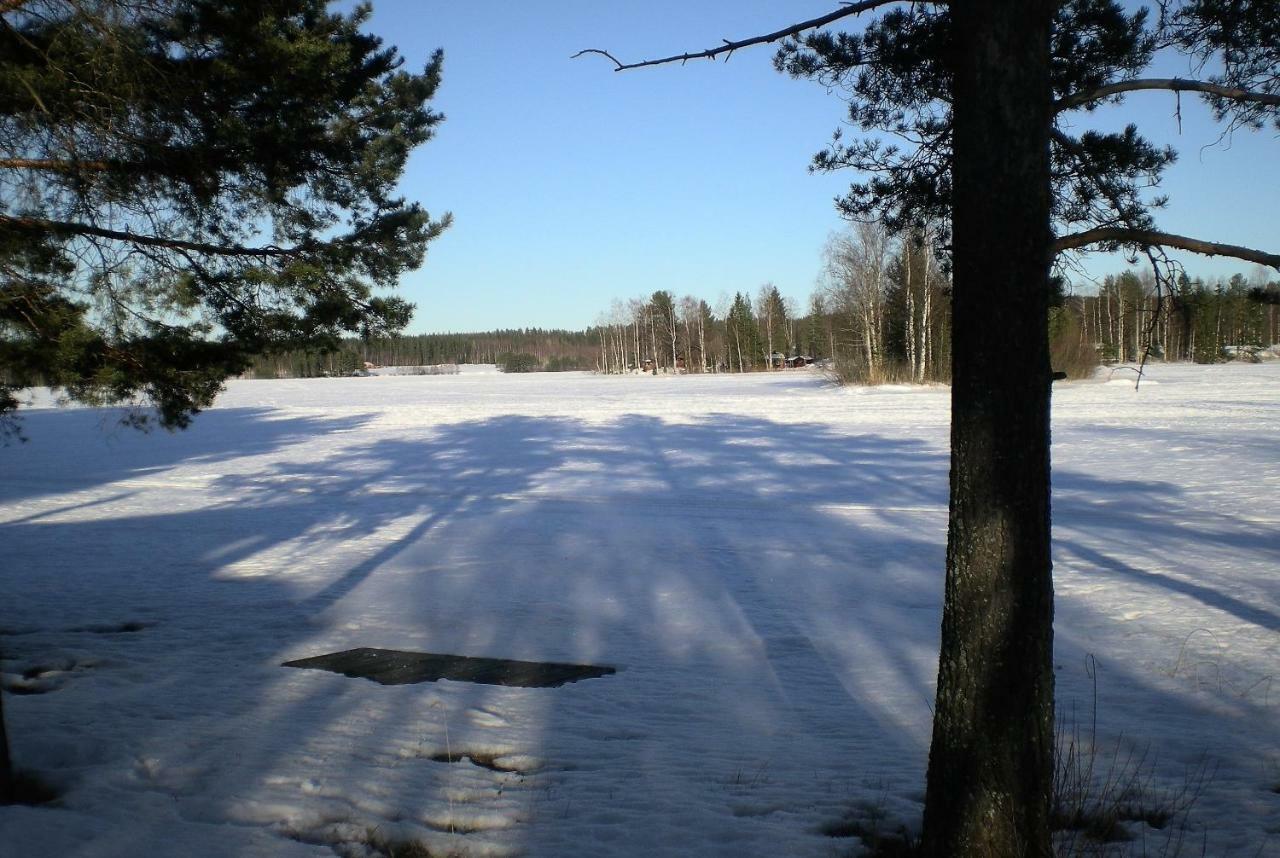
(882, 314)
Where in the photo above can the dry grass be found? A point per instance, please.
(1099, 796)
(855, 371)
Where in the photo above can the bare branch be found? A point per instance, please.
(1172, 84)
(1151, 238)
(847, 10)
(617, 62)
(40, 226)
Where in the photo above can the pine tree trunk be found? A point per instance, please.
(991, 759)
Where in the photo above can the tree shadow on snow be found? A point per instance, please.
(770, 592)
(753, 580)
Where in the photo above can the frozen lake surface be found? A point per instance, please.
(760, 557)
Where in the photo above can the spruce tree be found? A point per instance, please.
(742, 334)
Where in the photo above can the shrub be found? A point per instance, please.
(519, 362)
(854, 370)
(563, 363)
(1069, 352)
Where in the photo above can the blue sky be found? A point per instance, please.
(572, 185)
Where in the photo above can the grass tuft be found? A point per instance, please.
(1096, 795)
(868, 824)
(378, 844)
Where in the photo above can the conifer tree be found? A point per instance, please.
(666, 327)
(742, 335)
(187, 183)
(772, 322)
(978, 90)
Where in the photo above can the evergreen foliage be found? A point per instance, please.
(744, 348)
(557, 349)
(898, 80)
(1243, 36)
(185, 184)
(519, 362)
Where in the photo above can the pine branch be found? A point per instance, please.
(53, 165)
(1153, 238)
(729, 47)
(40, 226)
(1171, 84)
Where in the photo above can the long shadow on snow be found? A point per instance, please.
(785, 580)
(83, 448)
(1154, 520)
(693, 553)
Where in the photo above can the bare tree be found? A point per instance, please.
(856, 264)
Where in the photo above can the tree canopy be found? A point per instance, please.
(185, 184)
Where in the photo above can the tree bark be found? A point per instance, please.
(6, 762)
(991, 760)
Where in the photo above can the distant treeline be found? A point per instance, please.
(555, 350)
(883, 314)
(1194, 320)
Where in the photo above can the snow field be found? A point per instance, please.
(760, 556)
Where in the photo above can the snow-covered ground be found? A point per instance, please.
(761, 557)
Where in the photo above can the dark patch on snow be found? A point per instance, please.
(23, 689)
(484, 761)
(398, 667)
(43, 678)
(29, 788)
(115, 628)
